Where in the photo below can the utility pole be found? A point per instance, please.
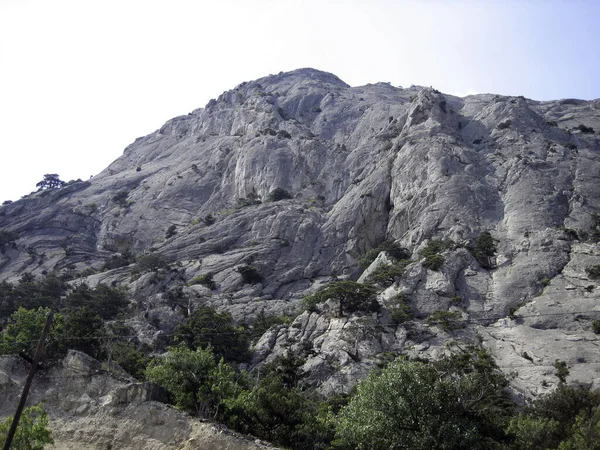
(38, 354)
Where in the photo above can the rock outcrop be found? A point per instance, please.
(349, 168)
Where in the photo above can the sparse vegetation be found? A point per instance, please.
(171, 231)
(350, 295)
(504, 125)
(584, 129)
(593, 272)
(250, 274)
(205, 280)
(447, 320)
(433, 259)
(278, 194)
(120, 198)
(484, 249)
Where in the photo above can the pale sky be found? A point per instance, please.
(81, 79)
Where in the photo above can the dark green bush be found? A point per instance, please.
(593, 271)
(171, 231)
(447, 320)
(205, 279)
(351, 296)
(278, 194)
(387, 274)
(150, 263)
(250, 274)
(120, 198)
(484, 249)
(584, 129)
(207, 327)
(596, 326)
(433, 259)
(504, 125)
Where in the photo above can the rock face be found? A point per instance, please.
(360, 165)
(95, 407)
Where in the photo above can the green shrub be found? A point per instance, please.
(7, 238)
(584, 129)
(431, 252)
(447, 320)
(150, 263)
(596, 326)
(252, 199)
(504, 125)
(484, 249)
(33, 432)
(392, 249)
(593, 271)
(120, 198)
(171, 231)
(207, 327)
(205, 279)
(399, 309)
(387, 274)
(351, 296)
(278, 194)
(250, 274)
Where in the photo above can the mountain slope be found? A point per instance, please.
(361, 165)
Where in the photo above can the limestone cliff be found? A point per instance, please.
(361, 165)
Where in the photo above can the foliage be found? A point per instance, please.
(387, 274)
(119, 260)
(23, 331)
(206, 327)
(433, 259)
(120, 198)
(196, 382)
(7, 238)
(584, 129)
(391, 248)
(504, 125)
(81, 330)
(129, 357)
(562, 371)
(278, 194)
(456, 403)
(596, 326)
(205, 279)
(263, 322)
(150, 263)
(399, 309)
(484, 249)
(30, 293)
(565, 418)
(32, 433)
(102, 300)
(171, 231)
(351, 296)
(250, 274)
(208, 220)
(447, 320)
(252, 199)
(50, 181)
(593, 271)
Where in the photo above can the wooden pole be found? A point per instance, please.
(38, 354)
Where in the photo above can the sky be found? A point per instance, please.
(80, 80)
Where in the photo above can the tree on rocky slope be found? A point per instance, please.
(352, 297)
(50, 181)
(457, 403)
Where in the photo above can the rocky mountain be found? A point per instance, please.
(282, 184)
